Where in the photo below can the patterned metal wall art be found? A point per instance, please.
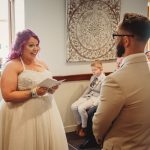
(90, 25)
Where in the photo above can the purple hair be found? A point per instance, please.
(21, 40)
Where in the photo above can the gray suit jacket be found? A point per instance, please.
(95, 90)
(122, 118)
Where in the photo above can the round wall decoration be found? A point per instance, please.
(90, 25)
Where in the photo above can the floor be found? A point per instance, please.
(74, 140)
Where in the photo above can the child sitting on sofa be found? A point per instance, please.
(89, 99)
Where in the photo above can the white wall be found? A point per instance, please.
(135, 6)
(47, 19)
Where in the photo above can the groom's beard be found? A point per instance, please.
(120, 50)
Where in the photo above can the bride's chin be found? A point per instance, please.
(33, 56)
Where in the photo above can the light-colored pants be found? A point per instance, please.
(79, 109)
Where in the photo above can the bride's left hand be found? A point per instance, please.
(53, 89)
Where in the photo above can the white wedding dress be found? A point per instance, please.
(34, 124)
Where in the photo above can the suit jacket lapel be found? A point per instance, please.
(99, 81)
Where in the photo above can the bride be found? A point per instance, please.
(29, 118)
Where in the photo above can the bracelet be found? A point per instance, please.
(34, 93)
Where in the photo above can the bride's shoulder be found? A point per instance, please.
(13, 64)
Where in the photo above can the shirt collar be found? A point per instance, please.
(100, 76)
(130, 57)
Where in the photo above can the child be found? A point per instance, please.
(89, 99)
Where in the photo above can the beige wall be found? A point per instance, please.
(67, 93)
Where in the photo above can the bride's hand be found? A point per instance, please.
(53, 89)
(41, 91)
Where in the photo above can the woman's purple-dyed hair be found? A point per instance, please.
(21, 40)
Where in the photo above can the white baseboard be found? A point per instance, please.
(70, 128)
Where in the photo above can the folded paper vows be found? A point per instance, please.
(50, 83)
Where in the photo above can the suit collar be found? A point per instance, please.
(134, 58)
(101, 76)
(100, 79)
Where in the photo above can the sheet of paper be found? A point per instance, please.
(50, 83)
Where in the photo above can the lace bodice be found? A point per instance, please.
(30, 78)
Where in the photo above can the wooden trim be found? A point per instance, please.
(77, 77)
